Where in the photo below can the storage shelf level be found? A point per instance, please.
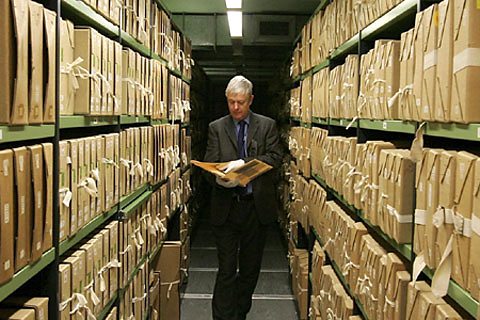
(135, 44)
(23, 133)
(469, 132)
(389, 125)
(108, 307)
(320, 121)
(68, 122)
(134, 119)
(25, 274)
(81, 10)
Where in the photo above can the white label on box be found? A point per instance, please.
(384, 125)
(5, 167)
(6, 265)
(6, 213)
(20, 162)
(478, 133)
(22, 205)
(39, 199)
(39, 245)
(1, 134)
(22, 254)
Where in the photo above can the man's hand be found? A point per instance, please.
(227, 183)
(232, 165)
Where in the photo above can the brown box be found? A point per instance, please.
(74, 220)
(432, 189)
(443, 83)
(97, 249)
(116, 168)
(118, 79)
(6, 215)
(81, 192)
(74, 265)
(38, 194)
(420, 239)
(105, 88)
(36, 83)
(474, 269)
(113, 231)
(465, 177)
(466, 63)
(109, 171)
(65, 194)
(38, 305)
(23, 234)
(106, 259)
(407, 68)
(50, 34)
(14, 58)
(430, 60)
(68, 82)
(418, 74)
(88, 46)
(48, 173)
(88, 285)
(100, 203)
(65, 290)
(17, 314)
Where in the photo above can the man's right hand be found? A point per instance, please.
(227, 183)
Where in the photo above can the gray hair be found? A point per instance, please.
(239, 84)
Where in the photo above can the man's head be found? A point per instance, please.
(239, 97)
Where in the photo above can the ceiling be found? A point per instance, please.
(269, 30)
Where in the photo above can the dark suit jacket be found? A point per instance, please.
(262, 144)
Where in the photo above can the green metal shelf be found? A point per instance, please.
(459, 295)
(134, 44)
(86, 230)
(342, 279)
(405, 250)
(158, 58)
(125, 212)
(346, 48)
(68, 122)
(402, 10)
(25, 274)
(124, 119)
(340, 122)
(297, 119)
(108, 307)
(156, 251)
(389, 125)
(321, 121)
(157, 122)
(157, 186)
(185, 124)
(469, 132)
(134, 273)
(87, 14)
(21, 133)
(320, 66)
(126, 200)
(305, 124)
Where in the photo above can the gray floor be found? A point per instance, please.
(273, 297)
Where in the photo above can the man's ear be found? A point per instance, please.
(251, 98)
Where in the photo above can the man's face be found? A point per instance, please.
(239, 105)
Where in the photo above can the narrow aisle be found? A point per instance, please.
(273, 297)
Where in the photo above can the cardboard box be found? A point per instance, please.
(88, 46)
(465, 177)
(433, 183)
(430, 61)
(446, 312)
(49, 78)
(38, 305)
(100, 203)
(74, 176)
(47, 219)
(89, 197)
(113, 232)
(118, 79)
(407, 71)
(23, 210)
(7, 262)
(443, 85)
(420, 239)
(68, 82)
(36, 49)
(81, 192)
(97, 249)
(75, 281)
(14, 56)
(105, 89)
(64, 275)
(38, 194)
(466, 66)
(65, 193)
(94, 173)
(106, 259)
(17, 314)
(474, 269)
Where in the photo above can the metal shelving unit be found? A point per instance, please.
(470, 132)
(389, 125)
(320, 121)
(347, 47)
(27, 273)
(128, 120)
(130, 208)
(339, 122)
(23, 133)
(70, 122)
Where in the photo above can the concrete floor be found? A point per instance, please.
(273, 299)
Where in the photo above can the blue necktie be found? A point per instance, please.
(241, 139)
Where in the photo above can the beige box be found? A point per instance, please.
(47, 240)
(6, 215)
(38, 305)
(68, 81)
(65, 194)
(432, 184)
(404, 191)
(23, 232)
(446, 312)
(94, 173)
(392, 78)
(139, 61)
(35, 98)
(420, 239)
(430, 61)
(474, 269)
(97, 251)
(109, 172)
(106, 259)
(407, 71)
(466, 62)
(464, 182)
(100, 143)
(17, 314)
(74, 263)
(116, 168)
(115, 11)
(443, 83)
(87, 154)
(38, 194)
(102, 7)
(88, 285)
(49, 78)
(14, 58)
(81, 192)
(126, 81)
(74, 175)
(65, 290)
(118, 79)
(88, 46)
(105, 83)
(113, 231)
(418, 37)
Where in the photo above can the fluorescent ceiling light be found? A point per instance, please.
(233, 4)
(235, 23)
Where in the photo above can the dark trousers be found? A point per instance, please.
(240, 242)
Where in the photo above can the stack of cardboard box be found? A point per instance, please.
(136, 20)
(162, 38)
(315, 198)
(88, 176)
(179, 100)
(318, 260)
(367, 12)
(166, 150)
(88, 275)
(299, 145)
(24, 308)
(26, 195)
(27, 50)
(423, 304)
(134, 302)
(299, 208)
(299, 272)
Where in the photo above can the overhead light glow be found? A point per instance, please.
(235, 23)
(233, 4)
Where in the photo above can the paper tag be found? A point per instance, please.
(1, 134)
(420, 217)
(418, 265)
(67, 198)
(5, 168)
(384, 125)
(6, 265)
(6, 213)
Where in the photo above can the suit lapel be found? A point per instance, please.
(231, 132)
(252, 128)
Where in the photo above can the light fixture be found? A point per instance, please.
(235, 23)
(233, 4)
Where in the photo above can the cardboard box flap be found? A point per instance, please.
(469, 160)
(459, 11)
(433, 157)
(476, 185)
(443, 17)
(418, 24)
(445, 165)
(422, 164)
(428, 20)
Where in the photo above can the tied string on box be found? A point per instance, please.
(170, 286)
(142, 31)
(65, 196)
(148, 167)
(81, 304)
(90, 186)
(349, 265)
(138, 299)
(110, 162)
(399, 95)
(127, 250)
(93, 296)
(112, 264)
(387, 303)
(82, 73)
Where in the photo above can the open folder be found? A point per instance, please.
(244, 174)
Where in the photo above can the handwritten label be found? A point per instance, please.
(384, 125)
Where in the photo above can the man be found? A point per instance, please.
(239, 216)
